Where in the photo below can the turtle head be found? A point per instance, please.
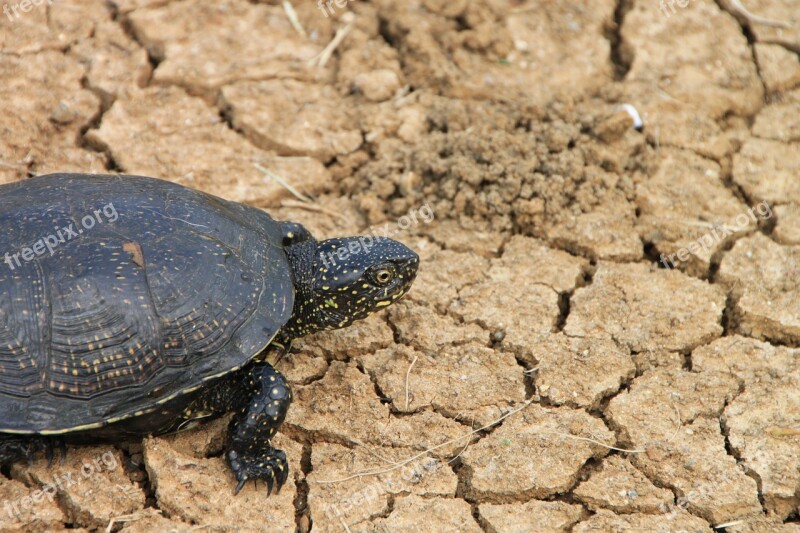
(348, 279)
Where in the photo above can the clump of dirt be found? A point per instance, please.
(497, 167)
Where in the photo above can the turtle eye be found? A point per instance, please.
(383, 276)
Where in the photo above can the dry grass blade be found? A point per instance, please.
(341, 521)
(322, 59)
(755, 19)
(425, 452)
(293, 20)
(280, 181)
(401, 464)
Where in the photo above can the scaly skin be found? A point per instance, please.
(260, 397)
(249, 451)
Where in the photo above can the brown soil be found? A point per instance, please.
(637, 391)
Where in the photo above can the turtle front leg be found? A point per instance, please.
(249, 452)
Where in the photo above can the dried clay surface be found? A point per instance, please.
(604, 334)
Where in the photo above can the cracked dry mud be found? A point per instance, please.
(637, 392)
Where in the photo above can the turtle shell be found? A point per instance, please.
(164, 289)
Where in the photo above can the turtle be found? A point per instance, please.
(134, 306)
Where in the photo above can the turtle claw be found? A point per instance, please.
(53, 446)
(61, 446)
(48, 446)
(48, 453)
(271, 467)
(239, 486)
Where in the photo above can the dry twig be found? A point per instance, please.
(322, 59)
(293, 20)
(755, 19)
(280, 181)
(401, 464)
(425, 452)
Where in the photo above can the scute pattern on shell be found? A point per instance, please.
(181, 288)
